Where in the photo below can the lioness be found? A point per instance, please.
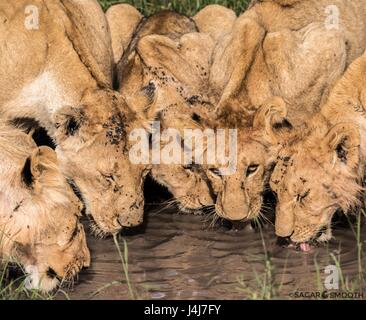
(39, 213)
(56, 68)
(322, 169)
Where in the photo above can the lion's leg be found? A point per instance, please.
(293, 58)
(303, 65)
(232, 59)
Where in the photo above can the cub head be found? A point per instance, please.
(39, 214)
(314, 177)
(240, 194)
(187, 183)
(93, 149)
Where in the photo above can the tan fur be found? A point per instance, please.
(269, 52)
(132, 73)
(280, 50)
(111, 187)
(61, 76)
(185, 105)
(325, 163)
(215, 20)
(39, 213)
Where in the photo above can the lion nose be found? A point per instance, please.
(233, 212)
(284, 222)
(283, 233)
(130, 220)
(234, 206)
(236, 214)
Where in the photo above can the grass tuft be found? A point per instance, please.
(15, 289)
(187, 7)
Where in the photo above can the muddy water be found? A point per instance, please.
(177, 256)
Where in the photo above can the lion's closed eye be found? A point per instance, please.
(252, 169)
(75, 233)
(108, 179)
(216, 172)
(301, 197)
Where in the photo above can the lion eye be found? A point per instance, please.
(190, 167)
(302, 197)
(216, 172)
(252, 169)
(109, 178)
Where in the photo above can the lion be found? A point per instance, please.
(39, 213)
(187, 184)
(321, 169)
(56, 69)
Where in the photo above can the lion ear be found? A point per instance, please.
(271, 120)
(41, 159)
(144, 101)
(186, 62)
(344, 141)
(68, 121)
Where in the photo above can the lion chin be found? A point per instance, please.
(37, 280)
(306, 243)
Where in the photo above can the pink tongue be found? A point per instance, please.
(305, 247)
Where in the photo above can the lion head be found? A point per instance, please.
(74, 101)
(316, 175)
(188, 184)
(39, 213)
(240, 193)
(93, 144)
